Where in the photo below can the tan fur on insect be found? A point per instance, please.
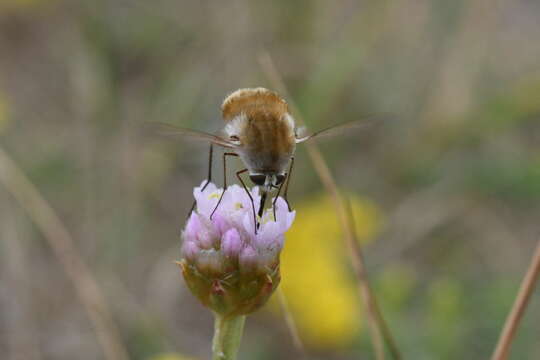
(250, 101)
(259, 120)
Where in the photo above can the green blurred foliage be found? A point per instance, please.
(445, 311)
(446, 191)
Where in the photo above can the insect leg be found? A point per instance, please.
(224, 180)
(275, 199)
(287, 184)
(209, 179)
(250, 197)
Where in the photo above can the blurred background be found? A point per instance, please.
(445, 197)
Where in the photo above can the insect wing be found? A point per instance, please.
(340, 129)
(174, 132)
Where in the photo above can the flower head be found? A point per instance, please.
(231, 268)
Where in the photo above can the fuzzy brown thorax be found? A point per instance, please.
(253, 101)
(260, 121)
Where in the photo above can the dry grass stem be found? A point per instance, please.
(22, 341)
(289, 319)
(518, 309)
(378, 328)
(63, 247)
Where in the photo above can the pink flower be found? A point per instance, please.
(222, 256)
(231, 243)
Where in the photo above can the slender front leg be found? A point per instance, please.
(209, 178)
(224, 180)
(287, 185)
(250, 197)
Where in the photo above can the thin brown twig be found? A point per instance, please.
(328, 181)
(364, 287)
(291, 324)
(518, 309)
(62, 244)
(21, 329)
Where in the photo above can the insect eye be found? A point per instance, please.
(258, 179)
(280, 178)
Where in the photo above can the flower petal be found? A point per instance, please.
(248, 259)
(231, 243)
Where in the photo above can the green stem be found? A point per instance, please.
(227, 335)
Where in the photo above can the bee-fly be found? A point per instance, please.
(260, 130)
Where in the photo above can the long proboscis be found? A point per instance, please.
(264, 195)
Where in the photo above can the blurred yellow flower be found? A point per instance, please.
(170, 356)
(320, 290)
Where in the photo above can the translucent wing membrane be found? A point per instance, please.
(347, 128)
(162, 129)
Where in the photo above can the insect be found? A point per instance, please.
(261, 131)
